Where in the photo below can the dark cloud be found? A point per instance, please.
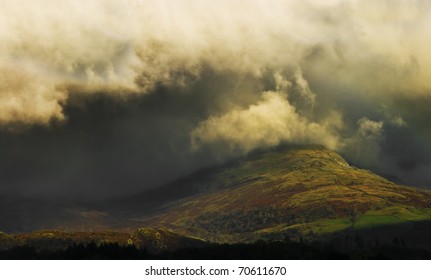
(110, 146)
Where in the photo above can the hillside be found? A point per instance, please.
(296, 192)
(299, 191)
(289, 194)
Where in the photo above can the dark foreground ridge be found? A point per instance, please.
(348, 247)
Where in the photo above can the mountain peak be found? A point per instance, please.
(289, 190)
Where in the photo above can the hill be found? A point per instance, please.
(293, 191)
(294, 194)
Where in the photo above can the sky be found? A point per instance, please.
(100, 99)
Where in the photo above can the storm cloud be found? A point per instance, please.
(107, 98)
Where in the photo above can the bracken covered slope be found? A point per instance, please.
(299, 191)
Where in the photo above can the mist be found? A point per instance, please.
(108, 98)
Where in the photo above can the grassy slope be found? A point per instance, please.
(294, 191)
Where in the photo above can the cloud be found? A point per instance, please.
(364, 146)
(304, 88)
(126, 47)
(27, 98)
(268, 123)
(369, 129)
(130, 47)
